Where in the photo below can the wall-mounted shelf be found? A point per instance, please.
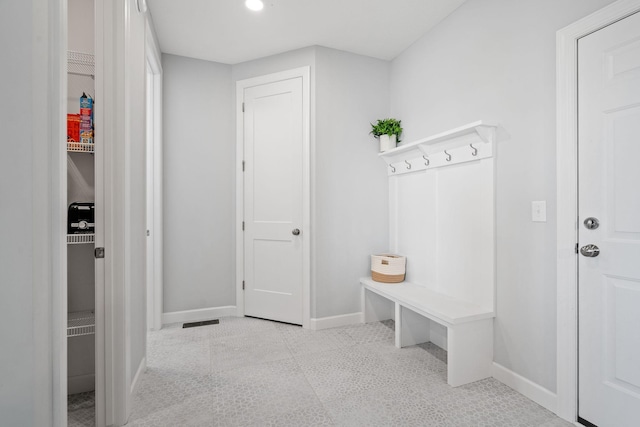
(470, 142)
(80, 239)
(81, 64)
(81, 323)
(80, 147)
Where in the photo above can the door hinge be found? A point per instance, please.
(242, 225)
(98, 252)
(243, 107)
(576, 248)
(243, 166)
(243, 285)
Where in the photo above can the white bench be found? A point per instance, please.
(469, 326)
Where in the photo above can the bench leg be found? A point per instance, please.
(470, 352)
(411, 327)
(375, 308)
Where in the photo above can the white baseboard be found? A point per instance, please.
(198, 315)
(336, 321)
(141, 369)
(528, 388)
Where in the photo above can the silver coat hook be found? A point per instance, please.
(475, 150)
(448, 156)
(408, 164)
(392, 169)
(426, 160)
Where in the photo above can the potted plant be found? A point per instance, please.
(388, 131)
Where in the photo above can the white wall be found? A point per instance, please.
(16, 277)
(135, 168)
(199, 151)
(495, 60)
(350, 213)
(31, 213)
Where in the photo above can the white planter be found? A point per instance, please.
(387, 142)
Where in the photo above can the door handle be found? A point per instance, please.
(590, 251)
(295, 232)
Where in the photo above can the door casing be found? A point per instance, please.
(154, 184)
(241, 85)
(567, 197)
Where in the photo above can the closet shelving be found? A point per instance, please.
(81, 323)
(80, 147)
(79, 64)
(80, 239)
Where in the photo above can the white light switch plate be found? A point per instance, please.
(539, 211)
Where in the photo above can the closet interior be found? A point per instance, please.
(81, 283)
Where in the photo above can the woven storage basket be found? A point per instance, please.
(388, 268)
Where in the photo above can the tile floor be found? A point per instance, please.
(81, 409)
(250, 372)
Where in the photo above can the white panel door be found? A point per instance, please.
(273, 186)
(609, 190)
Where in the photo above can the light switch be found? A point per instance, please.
(539, 211)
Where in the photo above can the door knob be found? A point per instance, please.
(591, 223)
(590, 251)
(295, 232)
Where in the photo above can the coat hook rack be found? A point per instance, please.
(408, 164)
(448, 156)
(475, 150)
(393, 169)
(426, 160)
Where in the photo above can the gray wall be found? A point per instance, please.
(349, 189)
(350, 214)
(199, 150)
(494, 60)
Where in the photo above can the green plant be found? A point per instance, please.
(387, 127)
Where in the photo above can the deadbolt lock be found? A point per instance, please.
(591, 223)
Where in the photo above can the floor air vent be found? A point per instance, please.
(203, 323)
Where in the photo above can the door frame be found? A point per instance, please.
(241, 85)
(154, 184)
(567, 197)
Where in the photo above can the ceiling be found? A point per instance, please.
(226, 31)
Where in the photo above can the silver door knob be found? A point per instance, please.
(590, 251)
(295, 232)
(591, 223)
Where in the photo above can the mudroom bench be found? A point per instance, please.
(469, 327)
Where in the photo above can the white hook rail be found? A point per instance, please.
(464, 144)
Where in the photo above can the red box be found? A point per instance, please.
(73, 127)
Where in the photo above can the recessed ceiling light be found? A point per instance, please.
(254, 4)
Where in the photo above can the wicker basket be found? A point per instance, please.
(388, 268)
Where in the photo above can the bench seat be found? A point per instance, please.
(469, 326)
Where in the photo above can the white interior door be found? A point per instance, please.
(609, 191)
(273, 200)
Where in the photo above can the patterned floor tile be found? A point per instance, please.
(251, 372)
(372, 332)
(352, 370)
(260, 392)
(193, 412)
(311, 416)
(302, 342)
(385, 407)
(81, 409)
(236, 351)
(233, 326)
